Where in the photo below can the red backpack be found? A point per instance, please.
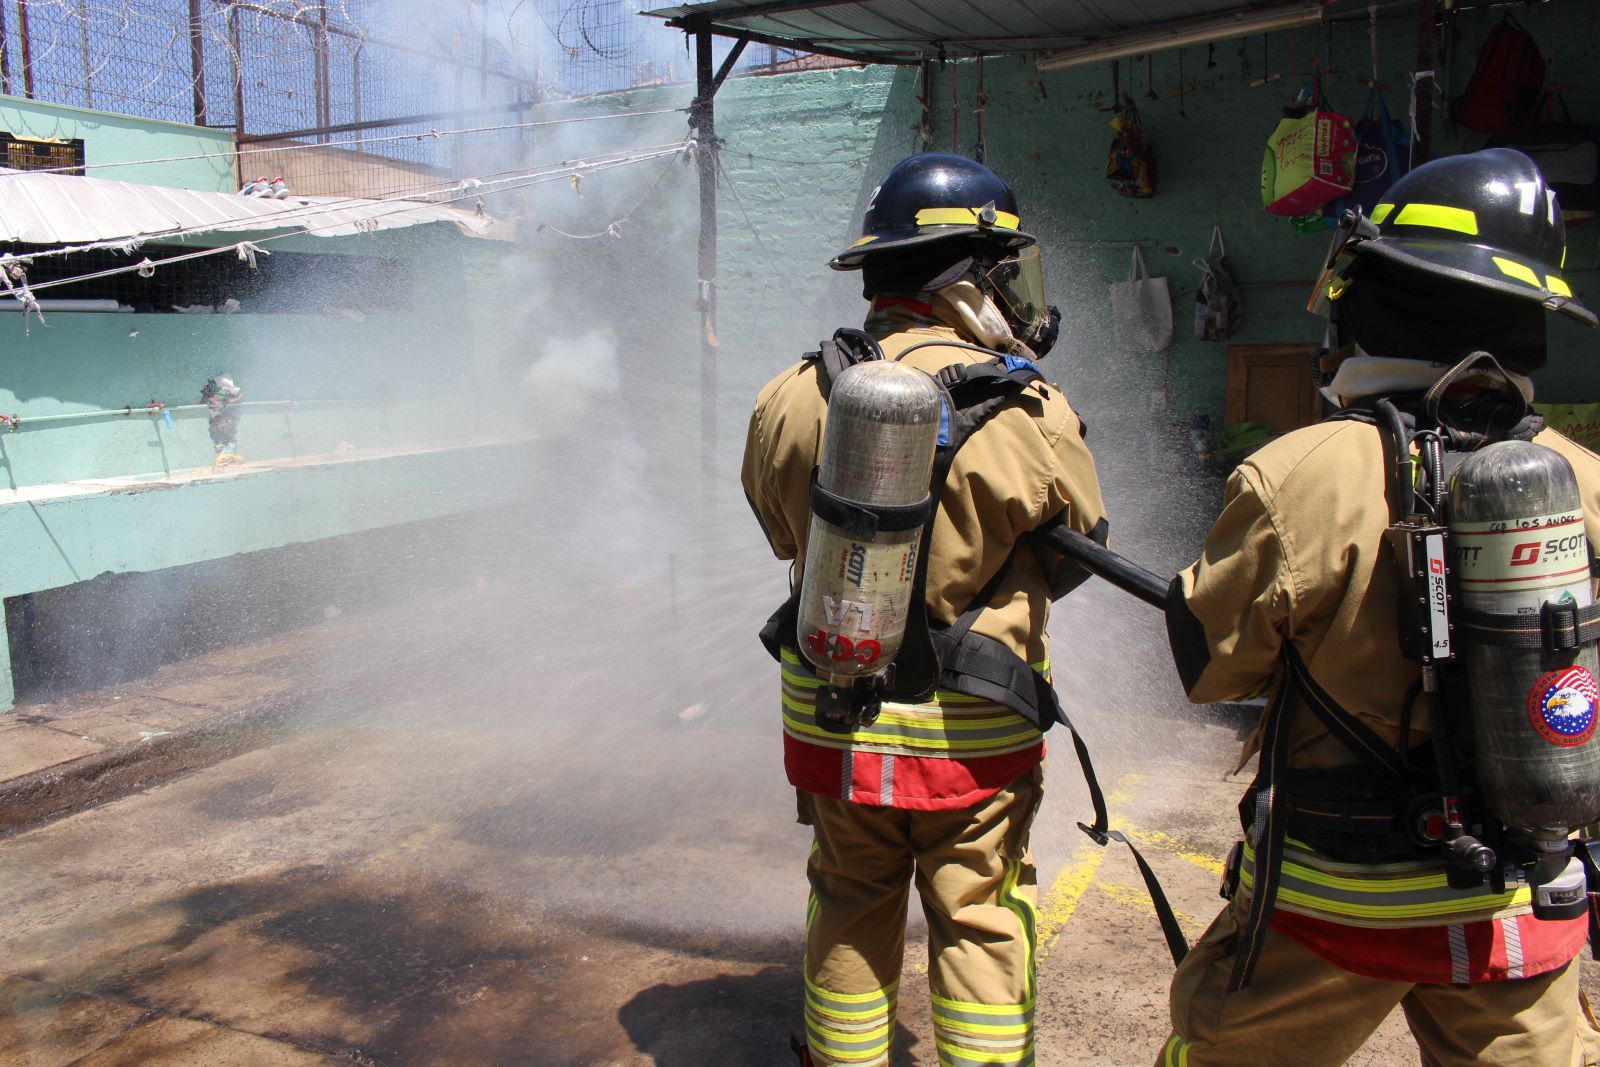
(1507, 83)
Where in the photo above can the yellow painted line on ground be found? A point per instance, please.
(1173, 847)
(1061, 900)
(414, 843)
(1138, 897)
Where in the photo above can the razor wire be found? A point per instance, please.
(286, 66)
(244, 155)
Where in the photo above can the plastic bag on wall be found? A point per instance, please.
(1218, 305)
(1141, 309)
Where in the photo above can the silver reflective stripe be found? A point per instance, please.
(847, 774)
(886, 782)
(1460, 971)
(1513, 938)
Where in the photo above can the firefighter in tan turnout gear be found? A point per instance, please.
(939, 783)
(1369, 877)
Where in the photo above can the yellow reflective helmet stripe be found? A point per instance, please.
(1438, 217)
(865, 240)
(964, 216)
(1512, 269)
(1381, 212)
(1557, 285)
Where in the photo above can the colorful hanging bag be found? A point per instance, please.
(1130, 164)
(1310, 157)
(1382, 158)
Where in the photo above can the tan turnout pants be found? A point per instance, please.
(1301, 1011)
(976, 879)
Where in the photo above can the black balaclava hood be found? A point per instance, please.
(1406, 314)
(917, 271)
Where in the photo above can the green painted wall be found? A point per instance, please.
(430, 387)
(110, 138)
(360, 378)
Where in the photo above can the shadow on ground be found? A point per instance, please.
(729, 1019)
(401, 970)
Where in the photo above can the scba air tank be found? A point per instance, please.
(869, 505)
(1517, 525)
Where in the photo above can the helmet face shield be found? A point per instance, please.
(1018, 285)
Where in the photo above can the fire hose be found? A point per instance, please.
(1104, 563)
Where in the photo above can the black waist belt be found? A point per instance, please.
(1350, 814)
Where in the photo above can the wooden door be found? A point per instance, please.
(1271, 384)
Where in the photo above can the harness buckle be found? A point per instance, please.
(1099, 837)
(1558, 626)
(952, 375)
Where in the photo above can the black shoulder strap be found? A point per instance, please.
(846, 348)
(974, 394)
(1268, 821)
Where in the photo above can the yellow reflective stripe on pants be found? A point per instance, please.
(1175, 1053)
(968, 1035)
(973, 871)
(849, 1028)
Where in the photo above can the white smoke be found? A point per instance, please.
(567, 384)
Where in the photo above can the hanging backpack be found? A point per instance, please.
(1310, 157)
(1507, 83)
(1217, 303)
(1130, 164)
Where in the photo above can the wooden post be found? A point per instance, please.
(703, 116)
(323, 90)
(197, 63)
(27, 49)
(5, 53)
(238, 91)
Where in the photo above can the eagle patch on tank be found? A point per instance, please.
(1562, 706)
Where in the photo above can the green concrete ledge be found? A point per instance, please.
(59, 534)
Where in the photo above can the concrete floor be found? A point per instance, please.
(490, 844)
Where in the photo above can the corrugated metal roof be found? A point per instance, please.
(908, 31)
(51, 209)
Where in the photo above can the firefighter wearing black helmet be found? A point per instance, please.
(941, 787)
(1345, 900)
